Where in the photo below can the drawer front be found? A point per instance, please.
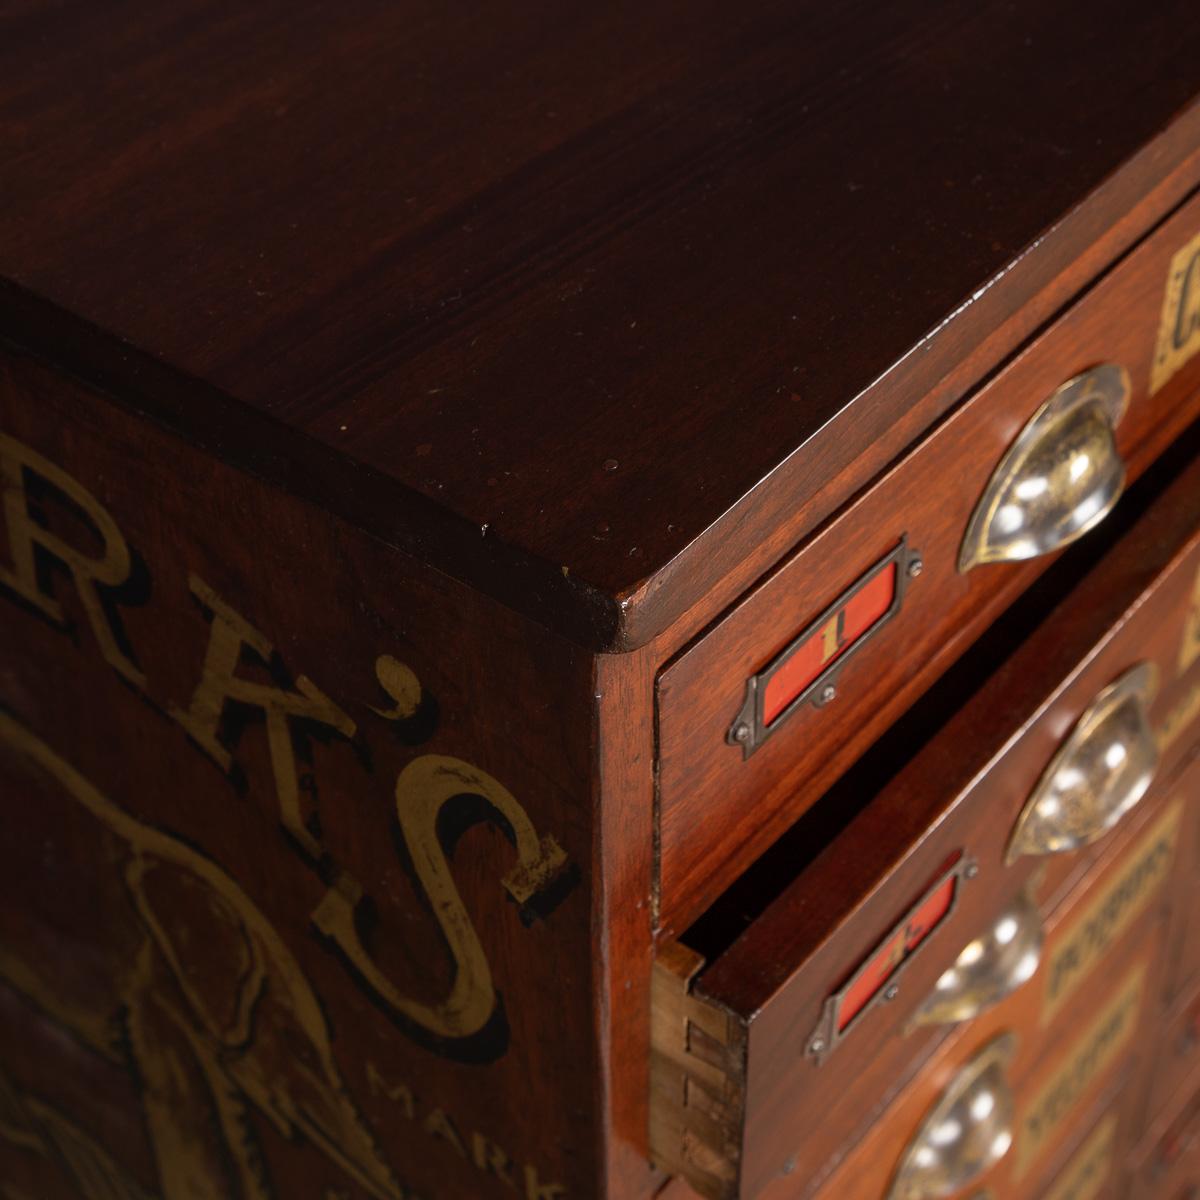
(1027, 1112)
(1062, 1064)
(1171, 1168)
(747, 1054)
(1092, 1169)
(766, 709)
(1184, 975)
(1178, 1057)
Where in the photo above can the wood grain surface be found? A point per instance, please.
(1120, 1001)
(590, 306)
(298, 865)
(959, 795)
(707, 788)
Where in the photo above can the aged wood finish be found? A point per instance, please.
(1184, 977)
(1090, 1169)
(1169, 1166)
(705, 782)
(288, 883)
(1062, 996)
(622, 928)
(960, 795)
(467, 277)
(1101, 1041)
(1090, 1154)
(390, 396)
(1180, 1059)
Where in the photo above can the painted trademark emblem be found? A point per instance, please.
(806, 670)
(875, 980)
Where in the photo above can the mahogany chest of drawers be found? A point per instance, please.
(599, 602)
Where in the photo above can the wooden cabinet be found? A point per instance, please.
(826, 996)
(818, 659)
(558, 564)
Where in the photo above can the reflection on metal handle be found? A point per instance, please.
(1100, 772)
(966, 1133)
(1060, 477)
(990, 966)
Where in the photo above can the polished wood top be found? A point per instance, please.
(586, 304)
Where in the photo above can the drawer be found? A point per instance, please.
(793, 1021)
(1185, 956)
(1170, 1169)
(1002, 1099)
(767, 708)
(1178, 1056)
(1092, 1168)
(1185, 939)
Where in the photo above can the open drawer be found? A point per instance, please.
(777, 1048)
(761, 714)
(1004, 1096)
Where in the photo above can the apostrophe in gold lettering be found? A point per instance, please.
(424, 788)
(220, 685)
(400, 682)
(412, 712)
(109, 569)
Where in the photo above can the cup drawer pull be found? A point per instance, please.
(1061, 476)
(990, 966)
(966, 1133)
(1101, 771)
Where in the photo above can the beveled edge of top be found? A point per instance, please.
(673, 601)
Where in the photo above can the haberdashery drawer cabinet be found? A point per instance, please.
(999, 811)
(599, 602)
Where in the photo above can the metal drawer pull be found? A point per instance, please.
(989, 967)
(1061, 476)
(967, 1132)
(1100, 772)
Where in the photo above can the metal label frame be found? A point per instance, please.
(826, 1037)
(749, 729)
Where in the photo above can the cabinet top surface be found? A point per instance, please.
(573, 279)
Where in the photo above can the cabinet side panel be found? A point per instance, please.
(294, 878)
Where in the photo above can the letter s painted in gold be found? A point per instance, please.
(423, 788)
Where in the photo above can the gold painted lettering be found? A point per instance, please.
(1090, 1168)
(491, 1159)
(438, 1125)
(1090, 1055)
(111, 568)
(1110, 912)
(1177, 720)
(830, 637)
(486, 1155)
(536, 1190)
(33, 1125)
(1189, 649)
(220, 685)
(1179, 322)
(206, 1058)
(400, 1093)
(424, 787)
